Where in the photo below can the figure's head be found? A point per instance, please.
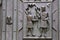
(43, 8)
(9, 17)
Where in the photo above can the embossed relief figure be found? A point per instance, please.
(31, 20)
(29, 23)
(44, 22)
(44, 19)
(30, 16)
(36, 18)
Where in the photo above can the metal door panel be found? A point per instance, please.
(15, 10)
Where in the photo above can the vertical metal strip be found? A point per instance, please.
(9, 27)
(3, 28)
(12, 16)
(58, 18)
(1, 23)
(5, 19)
(51, 20)
(15, 19)
(4, 13)
(23, 18)
(17, 22)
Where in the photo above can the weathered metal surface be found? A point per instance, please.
(14, 8)
(0, 22)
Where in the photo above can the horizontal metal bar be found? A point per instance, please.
(37, 38)
(36, 2)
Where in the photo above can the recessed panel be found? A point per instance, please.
(37, 20)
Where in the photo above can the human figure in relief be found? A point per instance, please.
(29, 23)
(44, 24)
